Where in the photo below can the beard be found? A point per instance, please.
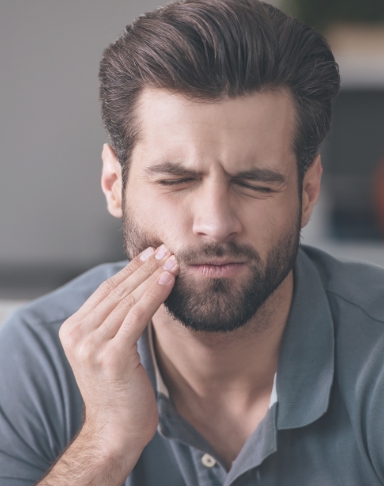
(220, 305)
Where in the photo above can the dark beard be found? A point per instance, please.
(221, 305)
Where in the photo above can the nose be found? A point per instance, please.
(215, 217)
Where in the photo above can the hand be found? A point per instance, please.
(100, 341)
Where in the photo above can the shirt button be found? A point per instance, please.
(208, 460)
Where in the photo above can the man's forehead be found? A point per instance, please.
(252, 128)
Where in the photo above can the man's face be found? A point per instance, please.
(217, 183)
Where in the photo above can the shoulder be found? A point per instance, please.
(63, 302)
(40, 404)
(37, 323)
(355, 293)
(30, 336)
(356, 285)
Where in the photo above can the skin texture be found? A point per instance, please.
(220, 382)
(224, 294)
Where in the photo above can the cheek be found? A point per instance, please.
(287, 217)
(269, 221)
(159, 215)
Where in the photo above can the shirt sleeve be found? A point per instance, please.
(360, 375)
(40, 404)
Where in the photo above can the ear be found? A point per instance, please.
(311, 189)
(111, 181)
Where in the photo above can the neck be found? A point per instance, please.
(211, 366)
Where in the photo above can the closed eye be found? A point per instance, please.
(263, 189)
(174, 182)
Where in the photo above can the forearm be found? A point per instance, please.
(92, 462)
(100, 342)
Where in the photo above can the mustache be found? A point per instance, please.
(229, 249)
(190, 255)
(137, 241)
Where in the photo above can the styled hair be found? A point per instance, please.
(215, 49)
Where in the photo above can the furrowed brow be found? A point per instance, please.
(169, 168)
(262, 175)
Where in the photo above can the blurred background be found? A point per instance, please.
(53, 219)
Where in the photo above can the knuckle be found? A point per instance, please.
(63, 332)
(149, 267)
(128, 302)
(71, 343)
(137, 313)
(153, 292)
(110, 360)
(118, 312)
(132, 266)
(68, 334)
(115, 314)
(107, 286)
(131, 300)
(113, 282)
(86, 351)
(119, 292)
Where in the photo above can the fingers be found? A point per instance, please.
(120, 289)
(142, 312)
(113, 305)
(109, 285)
(130, 290)
(160, 278)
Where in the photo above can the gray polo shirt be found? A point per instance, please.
(326, 428)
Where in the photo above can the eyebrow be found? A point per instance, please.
(171, 169)
(255, 174)
(262, 175)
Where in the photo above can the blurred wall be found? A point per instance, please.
(52, 211)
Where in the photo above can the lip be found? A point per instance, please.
(217, 261)
(218, 270)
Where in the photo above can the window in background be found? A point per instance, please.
(353, 154)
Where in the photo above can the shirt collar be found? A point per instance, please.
(306, 362)
(160, 386)
(159, 383)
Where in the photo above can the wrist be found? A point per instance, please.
(90, 459)
(112, 443)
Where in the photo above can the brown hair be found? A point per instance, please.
(210, 49)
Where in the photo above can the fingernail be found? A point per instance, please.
(170, 263)
(161, 252)
(165, 278)
(146, 254)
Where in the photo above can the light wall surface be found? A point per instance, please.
(52, 210)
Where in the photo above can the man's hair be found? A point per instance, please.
(214, 49)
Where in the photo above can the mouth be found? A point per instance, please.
(217, 269)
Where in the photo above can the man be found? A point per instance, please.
(262, 360)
